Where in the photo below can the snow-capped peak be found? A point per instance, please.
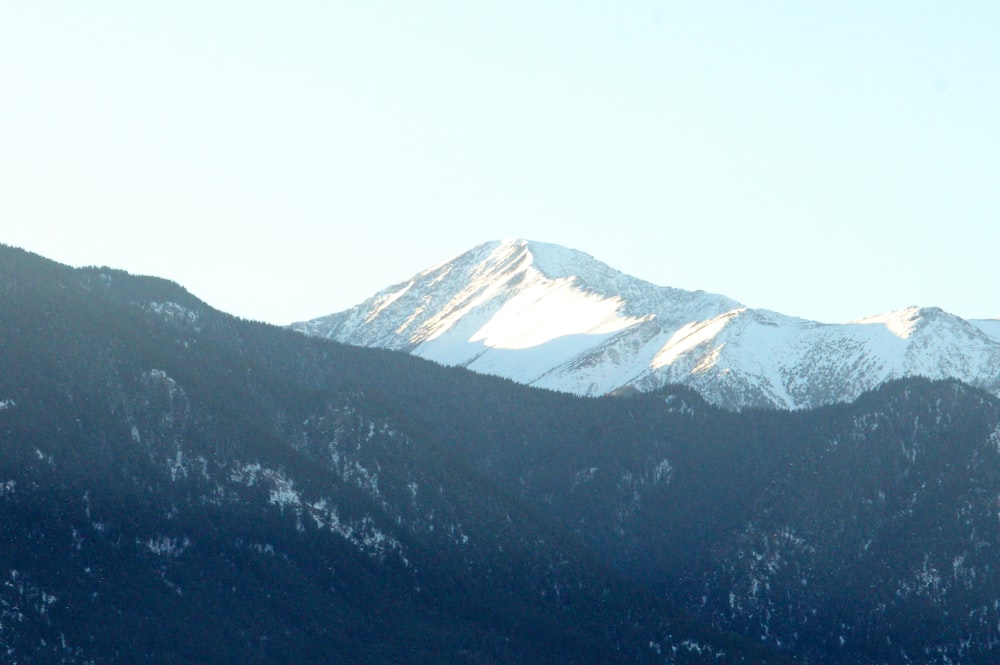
(557, 318)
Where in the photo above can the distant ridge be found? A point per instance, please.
(556, 318)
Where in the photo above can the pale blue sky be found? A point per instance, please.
(284, 160)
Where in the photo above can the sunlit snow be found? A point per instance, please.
(550, 309)
(900, 323)
(555, 318)
(689, 337)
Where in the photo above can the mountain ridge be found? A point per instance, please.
(556, 318)
(181, 486)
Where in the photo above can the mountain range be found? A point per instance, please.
(555, 318)
(178, 485)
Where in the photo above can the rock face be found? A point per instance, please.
(555, 318)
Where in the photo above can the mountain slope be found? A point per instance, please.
(863, 521)
(499, 306)
(180, 486)
(554, 318)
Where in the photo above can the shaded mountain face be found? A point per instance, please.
(180, 486)
(551, 317)
(861, 533)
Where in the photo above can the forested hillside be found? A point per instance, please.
(180, 486)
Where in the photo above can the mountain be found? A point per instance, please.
(854, 533)
(555, 318)
(181, 486)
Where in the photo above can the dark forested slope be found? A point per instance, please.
(178, 485)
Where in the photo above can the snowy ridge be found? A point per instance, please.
(556, 318)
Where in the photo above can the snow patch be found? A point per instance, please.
(281, 490)
(994, 439)
(172, 312)
(547, 310)
(689, 337)
(901, 323)
(584, 476)
(166, 546)
(663, 471)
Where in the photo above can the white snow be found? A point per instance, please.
(386, 300)
(166, 546)
(559, 319)
(900, 323)
(547, 310)
(173, 312)
(689, 337)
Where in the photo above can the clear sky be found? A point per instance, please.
(284, 160)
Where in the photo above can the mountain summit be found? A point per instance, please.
(556, 318)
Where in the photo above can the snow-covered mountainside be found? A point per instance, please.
(556, 318)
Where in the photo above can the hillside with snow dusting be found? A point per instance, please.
(556, 318)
